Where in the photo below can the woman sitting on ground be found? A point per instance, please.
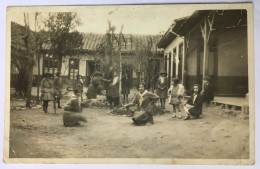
(145, 101)
(193, 106)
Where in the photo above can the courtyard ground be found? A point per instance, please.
(216, 134)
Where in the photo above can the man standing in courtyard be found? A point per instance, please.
(57, 84)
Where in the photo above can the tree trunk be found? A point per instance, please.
(22, 82)
(30, 69)
(38, 79)
(29, 91)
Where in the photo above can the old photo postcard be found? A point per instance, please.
(130, 84)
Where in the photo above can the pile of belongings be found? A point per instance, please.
(99, 102)
(130, 111)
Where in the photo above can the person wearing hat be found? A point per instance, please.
(208, 91)
(46, 91)
(93, 88)
(57, 83)
(162, 85)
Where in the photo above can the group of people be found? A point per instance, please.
(111, 85)
(51, 89)
(193, 106)
(144, 100)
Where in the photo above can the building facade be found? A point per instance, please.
(209, 43)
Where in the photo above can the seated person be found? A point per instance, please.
(193, 107)
(145, 101)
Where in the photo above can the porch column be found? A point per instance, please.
(167, 61)
(184, 67)
(177, 62)
(205, 35)
(205, 51)
(172, 58)
(206, 30)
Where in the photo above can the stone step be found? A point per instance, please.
(231, 106)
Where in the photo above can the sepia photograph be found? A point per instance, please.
(130, 84)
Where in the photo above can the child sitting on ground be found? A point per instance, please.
(177, 91)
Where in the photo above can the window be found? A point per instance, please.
(73, 68)
(50, 64)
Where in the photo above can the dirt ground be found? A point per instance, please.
(215, 135)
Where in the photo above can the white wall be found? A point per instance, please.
(65, 66)
(82, 64)
(35, 67)
(173, 44)
(169, 49)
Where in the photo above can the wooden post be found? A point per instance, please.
(120, 58)
(185, 51)
(177, 63)
(205, 35)
(205, 50)
(172, 72)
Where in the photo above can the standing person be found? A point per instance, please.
(145, 101)
(47, 91)
(79, 87)
(193, 106)
(114, 87)
(207, 92)
(107, 79)
(93, 88)
(58, 84)
(113, 90)
(162, 85)
(177, 91)
(125, 87)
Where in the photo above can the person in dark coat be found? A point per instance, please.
(193, 106)
(125, 87)
(93, 88)
(112, 91)
(46, 91)
(114, 88)
(208, 91)
(58, 84)
(162, 88)
(145, 101)
(108, 76)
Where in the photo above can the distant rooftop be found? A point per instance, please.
(91, 41)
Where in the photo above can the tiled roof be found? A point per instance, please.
(91, 41)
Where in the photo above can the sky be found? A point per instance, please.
(141, 19)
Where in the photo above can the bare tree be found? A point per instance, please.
(143, 63)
